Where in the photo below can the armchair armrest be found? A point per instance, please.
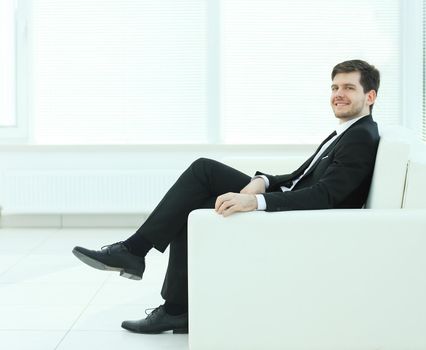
(321, 279)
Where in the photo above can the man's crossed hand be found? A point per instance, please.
(229, 203)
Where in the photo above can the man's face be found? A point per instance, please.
(348, 99)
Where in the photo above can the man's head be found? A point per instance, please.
(354, 89)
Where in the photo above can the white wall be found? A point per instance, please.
(112, 185)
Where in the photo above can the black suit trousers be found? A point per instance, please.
(197, 187)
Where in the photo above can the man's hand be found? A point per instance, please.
(255, 186)
(230, 202)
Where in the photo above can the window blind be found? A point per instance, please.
(277, 58)
(127, 71)
(119, 71)
(7, 63)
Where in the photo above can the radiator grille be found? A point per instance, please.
(83, 191)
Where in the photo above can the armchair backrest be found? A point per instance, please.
(390, 170)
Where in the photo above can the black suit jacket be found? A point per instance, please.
(340, 178)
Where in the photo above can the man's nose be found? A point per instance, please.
(339, 92)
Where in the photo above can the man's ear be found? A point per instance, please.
(371, 97)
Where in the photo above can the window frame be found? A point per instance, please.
(18, 133)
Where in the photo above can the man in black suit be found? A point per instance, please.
(337, 175)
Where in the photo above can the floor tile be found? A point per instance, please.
(53, 294)
(55, 268)
(22, 241)
(30, 340)
(29, 317)
(106, 340)
(9, 260)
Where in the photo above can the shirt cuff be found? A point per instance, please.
(264, 179)
(261, 202)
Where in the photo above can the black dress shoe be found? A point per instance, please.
(159, 321)
(114, 257)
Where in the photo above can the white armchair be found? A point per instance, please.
(316, 279)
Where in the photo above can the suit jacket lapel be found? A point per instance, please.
(325, 153)
(304, 166)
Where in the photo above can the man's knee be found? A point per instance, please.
(205, 168)
(202, 161)
(203, 164)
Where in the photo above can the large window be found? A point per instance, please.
(196, 71)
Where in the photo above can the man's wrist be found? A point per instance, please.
(264, 178)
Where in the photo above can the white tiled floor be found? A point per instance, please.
(50, 300)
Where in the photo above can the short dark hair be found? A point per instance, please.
(370, 75)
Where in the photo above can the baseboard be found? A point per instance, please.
(72, 220)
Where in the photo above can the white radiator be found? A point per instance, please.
(81, 192)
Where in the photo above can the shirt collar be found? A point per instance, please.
(346, 125)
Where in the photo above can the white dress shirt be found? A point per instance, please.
(261, 203)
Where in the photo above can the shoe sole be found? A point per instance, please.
(101, 266)
(180, 331)
(175, 331)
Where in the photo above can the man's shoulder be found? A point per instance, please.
(365, 128)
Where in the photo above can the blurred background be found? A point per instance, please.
(104, 102)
